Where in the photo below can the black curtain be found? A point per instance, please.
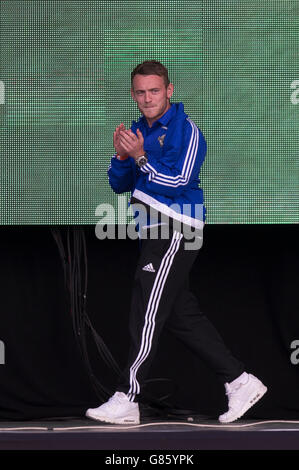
(246, 279)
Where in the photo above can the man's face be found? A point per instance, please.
(151, 96)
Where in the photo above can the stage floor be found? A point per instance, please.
(84, 434)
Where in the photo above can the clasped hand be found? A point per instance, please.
(127, 143)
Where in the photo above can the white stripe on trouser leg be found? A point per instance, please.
(152, 307)
(153, 304)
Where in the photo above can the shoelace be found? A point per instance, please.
(116, 398)
(230, 390)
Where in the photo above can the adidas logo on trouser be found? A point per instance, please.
(149, 267)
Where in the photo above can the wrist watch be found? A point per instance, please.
(142, 160)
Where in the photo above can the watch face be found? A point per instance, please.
(142, 161)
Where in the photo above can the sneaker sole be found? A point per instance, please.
(104, 419)
(256, 397)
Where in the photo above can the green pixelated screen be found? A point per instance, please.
(65, 85)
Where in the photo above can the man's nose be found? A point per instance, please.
(147, 97)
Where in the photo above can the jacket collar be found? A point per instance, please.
(170, 113)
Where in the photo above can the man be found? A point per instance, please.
(159, 160)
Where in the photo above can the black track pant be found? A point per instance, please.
(161, 298)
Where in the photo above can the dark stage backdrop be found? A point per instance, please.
(246, 279)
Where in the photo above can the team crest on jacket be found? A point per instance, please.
(161, 139)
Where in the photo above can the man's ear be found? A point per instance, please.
(133, 94)
(170, 89)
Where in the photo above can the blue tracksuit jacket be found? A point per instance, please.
(169, 182)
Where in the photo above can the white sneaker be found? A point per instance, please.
(241, 397)
(117, 410)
